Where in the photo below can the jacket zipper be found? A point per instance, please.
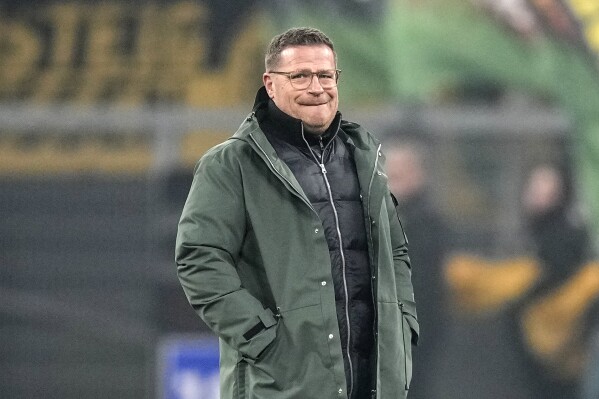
(343, 263)
(372, 280)
(241, 380)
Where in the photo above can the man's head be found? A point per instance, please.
(405, 170)
(301, 77)
(544, 190)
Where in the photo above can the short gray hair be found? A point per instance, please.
(295, 37)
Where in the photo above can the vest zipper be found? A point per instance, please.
(343, 263)
(373, 279)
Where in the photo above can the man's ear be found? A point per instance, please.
(268, 84)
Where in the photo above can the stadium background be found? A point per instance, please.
(106, 105)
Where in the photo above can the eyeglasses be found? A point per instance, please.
(301, 80)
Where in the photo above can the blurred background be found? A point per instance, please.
(489, 111)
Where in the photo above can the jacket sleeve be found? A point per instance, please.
(209, 239)
(403, 269)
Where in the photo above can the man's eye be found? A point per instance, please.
(299, 75)
(326, 75)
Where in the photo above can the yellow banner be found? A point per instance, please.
(122, 54)
(122, 153)
(63, 153)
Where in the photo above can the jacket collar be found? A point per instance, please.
(365, 150)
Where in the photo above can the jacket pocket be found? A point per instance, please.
(257, 341)
(297, 357)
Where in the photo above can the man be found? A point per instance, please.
(552, 309)
(289, 246)
(429, 235)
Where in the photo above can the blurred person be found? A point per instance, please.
(428, 243)
(551, 293)
(289, 246)
(554, 224)
(554, 314)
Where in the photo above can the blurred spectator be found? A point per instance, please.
(555, 290)
(427, 238)
(554, 224)
(554, 315)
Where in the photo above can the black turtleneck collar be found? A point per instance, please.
(277, 124)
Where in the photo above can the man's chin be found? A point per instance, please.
(315, 129)
(317, 126)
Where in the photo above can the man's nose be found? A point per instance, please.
(315, 86)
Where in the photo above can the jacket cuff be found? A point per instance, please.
(409, 311)
(414, 327)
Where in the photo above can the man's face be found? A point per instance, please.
(405, 172)
(543, 191)
(315, 106)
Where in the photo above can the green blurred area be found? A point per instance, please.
(450, 48)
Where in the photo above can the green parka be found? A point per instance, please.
(251, 251)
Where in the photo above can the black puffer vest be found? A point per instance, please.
(325, 169)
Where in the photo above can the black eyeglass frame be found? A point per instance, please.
(288, 74)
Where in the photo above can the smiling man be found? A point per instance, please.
(290, 248)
